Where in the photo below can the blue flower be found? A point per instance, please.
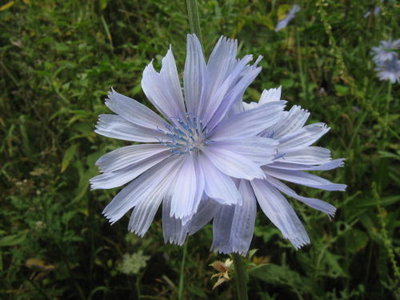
(233, 226)
(195, 150)
(389, 70)
(290, 16)
(386, 51)
(386, 59)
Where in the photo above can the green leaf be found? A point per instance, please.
(12, 240)
(356, 240)
(68, 156)
(280, 275)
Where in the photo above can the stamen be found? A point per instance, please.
(188, 135)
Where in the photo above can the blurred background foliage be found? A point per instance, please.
(58, 59)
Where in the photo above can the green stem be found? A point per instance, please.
(193, 15)
(300, 66)
(182, 273)
(240, 276)
(388, 99)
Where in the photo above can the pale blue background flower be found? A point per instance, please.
(386, 58)
(389, 70)
(290, 15)
(386, 51)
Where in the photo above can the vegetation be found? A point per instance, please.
(58, 59)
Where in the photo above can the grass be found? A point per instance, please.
(58, 59)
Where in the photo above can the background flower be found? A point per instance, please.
(386, 58)
(290, 16)
(386, 51)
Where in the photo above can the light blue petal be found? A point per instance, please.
(291, 122)
(187, 191)
(279, 211)
(173, 230)
(258, 149)
(119, 177)
(142, 189)
(218, 186)
(127, 156)
(234, 94)
(206, 212)
(312, 202)
(143, 214)
(270, 95)
(243, 220)
(330, 165)
(233, 226)
(250, 122)
(133, 111)
(302, 138)
(222, 226)
(310, 155)
(306, 179)
(194, 76)
(163, 89)
(221, 62)
(216, 98)
(116, 127)
(233, 164)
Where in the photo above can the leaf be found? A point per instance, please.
(356, 240)
(342, 90)
(12, 240)
(6, 6)
(383, 201)
(68, 156)
(334, 266)
(280, 275)
(38, 265)
(103, 4)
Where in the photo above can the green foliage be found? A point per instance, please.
(58, 59)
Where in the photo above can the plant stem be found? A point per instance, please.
(182, 273)
(388, 99)
(193, 15)
(240, 276)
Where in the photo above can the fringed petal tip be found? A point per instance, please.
(173, 241)
(331, 215)
(340, 162)
(298, 242)
(92, 185)
(109, 217)
(137, 232)
(228, 251)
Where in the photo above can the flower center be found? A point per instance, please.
(186, 136)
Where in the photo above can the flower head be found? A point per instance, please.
(389, 70)
(196, 149)
(386, 58)
(290, 16)
(386, 51)
(233, 226)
